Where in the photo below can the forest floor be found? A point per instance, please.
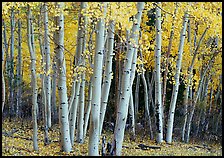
(17, 141)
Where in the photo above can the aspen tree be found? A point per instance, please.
(176, 79)
(80, 131)
(3, 78)
(126, 85)
(62, 89)
(33, 76)
(11, 65)
(187, 136)
(158, 101)
(189, 82)
(168, 54)
(108, 74)
(76, 85)
(93, 149)
(48, 63)
(88, 108)
(146, 100)
(19, 72)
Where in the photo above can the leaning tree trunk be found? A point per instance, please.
(77, 62)
(80, 131)
(176, 79)
(108, 74)
(209, 111)
(88, 108)
(62, 89)
(33, 76)
(147, 110)
(158, 100)
(211, 61)
(122, 108)
(167, 62)
(97, 80)
(189, 81)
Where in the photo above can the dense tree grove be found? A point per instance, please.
(135, 68)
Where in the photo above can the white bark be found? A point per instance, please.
(3, 78)
(211, 61)
(88, 108)
(176, 79)
(78, 61)
(189, 81)
(158, 100)
(132, 117)
(33, 77)
(80, 131)
(97, 80)
(108, 74)
(122, 109)
(62, 89)
(48, 60)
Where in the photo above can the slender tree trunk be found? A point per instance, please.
(3, 78)
(48, 63)
(33, 77)
(176, 79)
(11, 74)
(19, 75)
(62, 89)
(137, 96)
(108, 74)
(132, 117)
(197, 96)
(54, 88)
(126, 86)
(77, 62)
(158, 100)
(97, 80)
(209, 111)
(88, 108)
(80, 132)
(189, 81)
(167, 61)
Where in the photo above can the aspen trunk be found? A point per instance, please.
(88, 108)
(11, 69)
(189, 81)
(62, 89)
(3, 78)
(132, 117)
(33, 77)
(197, 96)
(108, 74)
(167, 57)
(158, 100)
(48, 67)
(136, 95)
(209, 111)
(78, 62)
(80, 131)
(176, 79)
(19, 73)
(93, 147)
(126, 85)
